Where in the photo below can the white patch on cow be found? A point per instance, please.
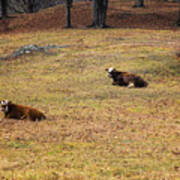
(110, 69)
(4, 105)
(6, 109)
(4, 102)
(131, 85)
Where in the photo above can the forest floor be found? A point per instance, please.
(155, 15)
(93, 130)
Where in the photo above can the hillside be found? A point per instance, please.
(93, 130)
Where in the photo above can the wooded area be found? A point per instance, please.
(99, 8)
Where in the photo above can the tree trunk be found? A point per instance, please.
(68, 13)
(99, 13)
(4, 8)
(96, 11)
(103, 13)
(31, 6)
(138, 3)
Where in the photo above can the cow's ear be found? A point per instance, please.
(10, 102)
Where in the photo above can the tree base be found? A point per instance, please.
(178, 23)
(68, 27)
(98, 26)
(105, 26)
(138, 6)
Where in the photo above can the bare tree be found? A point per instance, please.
(4, 8)
(138, 3)
(68, 13)
(99, 13)
(30, 4)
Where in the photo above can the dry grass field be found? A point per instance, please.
(94, 130)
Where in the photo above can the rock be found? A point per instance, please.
(29, 49)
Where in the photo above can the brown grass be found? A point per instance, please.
(94, 130)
